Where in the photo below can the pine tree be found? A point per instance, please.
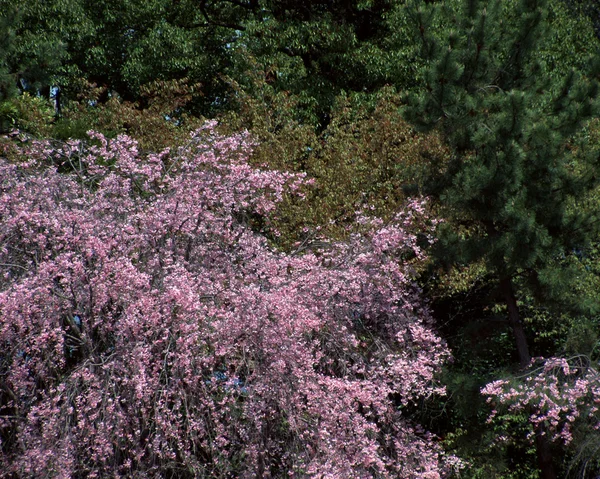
(514, 185)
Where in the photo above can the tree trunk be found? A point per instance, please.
(544, 454)
(514, 320)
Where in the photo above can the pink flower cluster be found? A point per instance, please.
(148, 330)
(556, 394)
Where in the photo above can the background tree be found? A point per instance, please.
(8, 87)
(21, 68)
(8, 83)
(512, 183)
(508, 123)
(313, 51)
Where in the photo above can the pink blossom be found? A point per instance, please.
(146, 329)
(558, 394)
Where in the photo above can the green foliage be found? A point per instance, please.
(37, 50)
(117, 45)
(26, 112)
(8, 116)
(8, 86)
(316, 50)
(368, 156)
(570, 42)
(313, 51)
(159, 124)
(508, 122)
(512, 87)
(34, 114)
(587, 8)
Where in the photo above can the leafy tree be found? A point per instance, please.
(7, 81)
(588, 8)
(8, 87)
(119, 46)
(147, 330)
(36, 52)
(18, 69)
(314, 50)
(368, 156)
(319, 49)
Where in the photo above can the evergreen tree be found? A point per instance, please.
(513, 185)
(590, 8)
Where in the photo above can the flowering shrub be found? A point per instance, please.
(147, 329)
(556, 395)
